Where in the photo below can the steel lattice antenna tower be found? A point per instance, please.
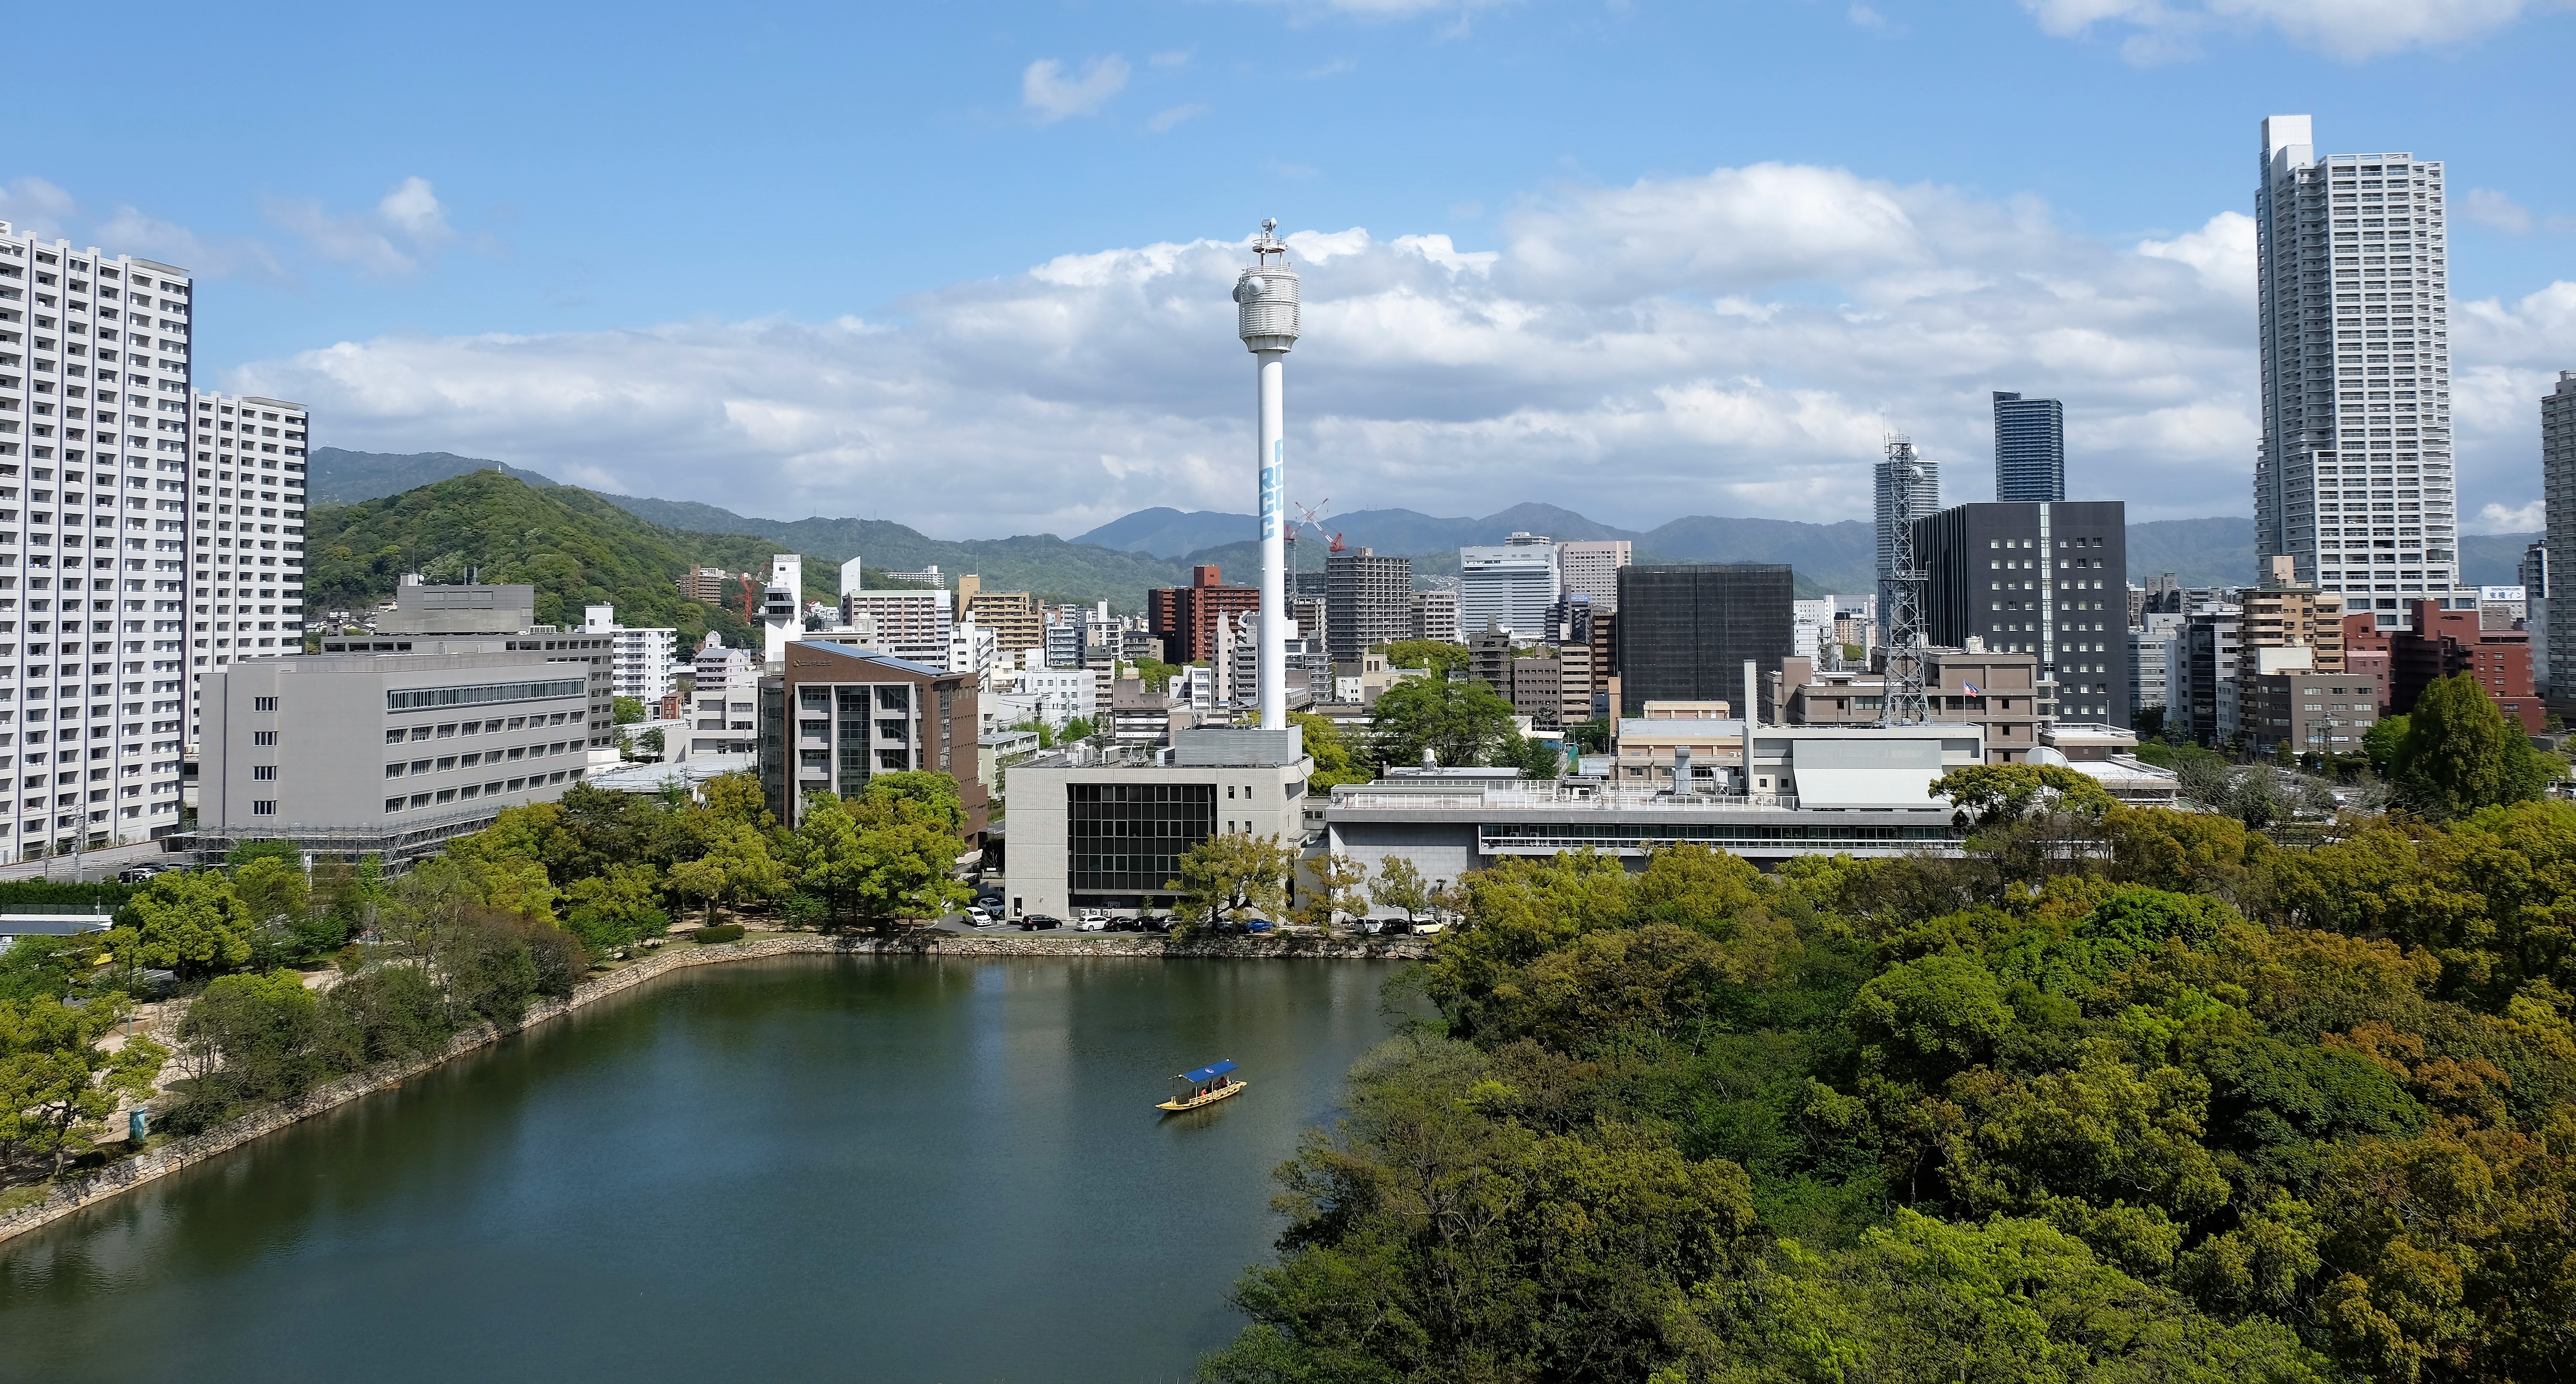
(1266, 298)
(1902, 579)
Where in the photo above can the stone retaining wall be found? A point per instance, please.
(88, 1189)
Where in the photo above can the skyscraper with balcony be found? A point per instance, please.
(2555, 641)
(2354, 479)
(2030, 449)
(248, 570)
(94, 543)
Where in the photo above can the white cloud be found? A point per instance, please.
(1867, 18)
(2352, 30)
(2499, 212)
(39, 208)
(1727, 343)
(2531, 516)
(36, 207)
(406, 228)
(1051, 96)
(1164, 121)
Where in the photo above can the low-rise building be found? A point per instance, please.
(644, 661)
(2003, 694)
(832, 717)
(2109, 756)
(2438, 643)
(1111, 836)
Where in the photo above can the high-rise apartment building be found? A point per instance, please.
(1435, 616)
(1185, 618)
(2030, 449)
(1922, 494)
(909, 623)
(1012, 616)
(1368, 601)
(1684, 632)
(646, 660)
(94, 432)
(1507, 586)
(2043, 579)
(2354, 477)
(2554, 643)
(1590, 567)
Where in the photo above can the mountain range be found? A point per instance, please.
(1119, 560)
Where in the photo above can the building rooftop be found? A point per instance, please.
(853, 651)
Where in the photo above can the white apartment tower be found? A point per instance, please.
(247, 583)
(94, 544)
(2354, 477)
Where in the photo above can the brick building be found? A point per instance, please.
(2438, 643)
(1185, 617)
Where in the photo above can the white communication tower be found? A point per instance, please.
(1265, 296)
(1900, 585)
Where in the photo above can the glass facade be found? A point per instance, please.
(851, 745)
(1128, 838)
(1684, 632)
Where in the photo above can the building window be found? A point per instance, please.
(263, 807)
(263, 737)
(263, 773)
(1128, 838)
(263, 703)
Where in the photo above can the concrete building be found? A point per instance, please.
(832, 717)
(1012, 616)
(465, 618)
(2030, 450)
(911, 623)
(2045, 579)
(394, 752)
(2313, 711)
(2557, 641)
(1185, 617)
(2109, 756)
(646, 659)
(1368, 602)
(1590, 568)
(972, 649)
(95, 408)
(2002, 694)
(2354, 479)
(1434, 615)
(2152, 655)
(257, 450)
(2203, 679)
(1685, 632)
(711, 586)
(724, 700)
(1814, 791)
(1111, 836)
(1509, 585)
(1062, 694)
(1697, 744)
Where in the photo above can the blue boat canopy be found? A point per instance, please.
(1213, 1069)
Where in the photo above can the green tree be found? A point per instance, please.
(251, 1038)
(189, 921)
(1340, 890)
(1325, 745)
(1462, 724)
(617, 908)
(272, 889)
(1399, 885)
(737, 866)
(1078, 728)
(932, 792)
(626, 711)
(1591, 737)
(1438, 656)
(55, 1081)
(830, 861)
(2460, 754)
(1225, 877)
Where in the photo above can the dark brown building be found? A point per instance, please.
(1185, 617)
(2445, 643)
(838, 716)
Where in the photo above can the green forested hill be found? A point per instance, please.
(574, 547)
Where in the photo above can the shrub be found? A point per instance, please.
(722, 932)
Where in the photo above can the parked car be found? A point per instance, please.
(1425, 929)
(1040, 922)
(1092, 925)
(1260, 925)
(991, 903)
(1089, 915)
(138, 874)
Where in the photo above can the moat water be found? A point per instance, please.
(798, 1168)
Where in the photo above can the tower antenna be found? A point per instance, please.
(1265, 296)
(1900, 584)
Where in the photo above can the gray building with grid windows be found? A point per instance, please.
(1685, 631)
(2045, 579)
(1368, 601)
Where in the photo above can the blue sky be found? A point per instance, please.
(964, 266)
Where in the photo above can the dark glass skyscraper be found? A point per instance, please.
(2030, 449)
(1684, 632)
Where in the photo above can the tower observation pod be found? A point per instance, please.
(1265, 296)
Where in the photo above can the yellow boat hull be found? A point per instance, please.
(1194, 1102)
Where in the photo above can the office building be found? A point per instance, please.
(972, 649)
(2030, 450)
(2437, 643)
(711, 586)
(2315, 711)
(2201, 702)
(1111, 836)
(2556, 643)
(1919, 491)
(1185, 617)
(646, 659)
(1368, 601)
(393, 753)
(1012, 616)
(1590, 568)
(475, 618)
(1685, 632)
(910, 623)
(1063, 694)
(832, 717)
(95, 404)
(1507, 586)
(2152, 651)
(2354, 479)
(1434, 615)
(2044, 579)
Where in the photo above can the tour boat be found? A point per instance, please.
(1205, 1086)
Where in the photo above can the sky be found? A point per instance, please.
(966, 266)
